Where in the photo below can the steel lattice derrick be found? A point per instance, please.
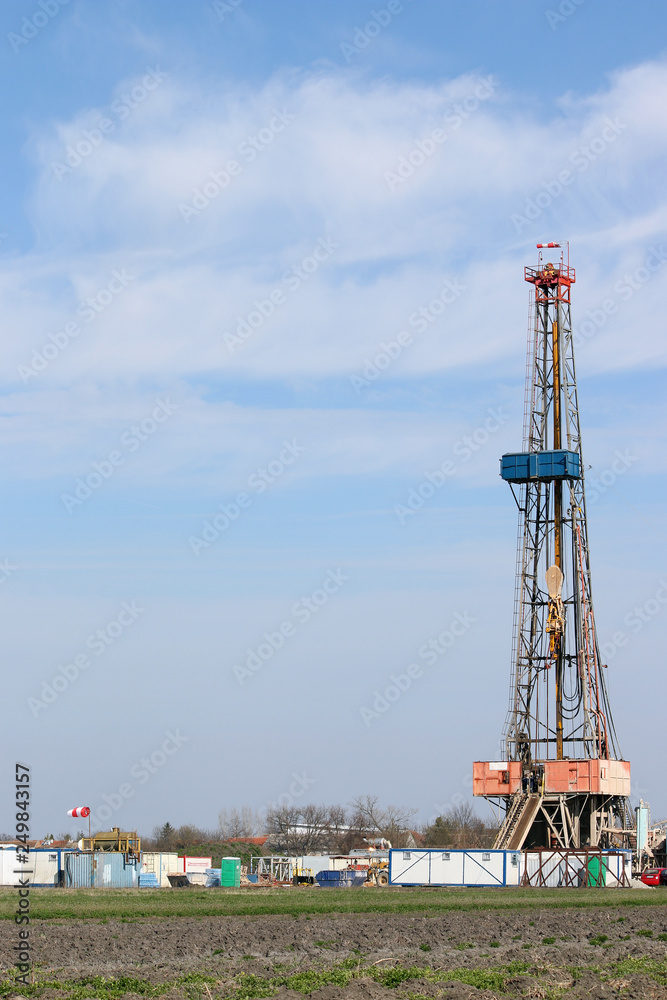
(562, 779)
(554, 631)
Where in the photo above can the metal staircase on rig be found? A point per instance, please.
(520, 815)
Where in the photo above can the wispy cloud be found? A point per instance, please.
(325, 172)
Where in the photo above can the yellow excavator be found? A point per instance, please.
(378, 872)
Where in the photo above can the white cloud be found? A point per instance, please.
(320, 178)
(323, 175)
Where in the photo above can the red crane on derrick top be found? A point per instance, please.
(562, 779)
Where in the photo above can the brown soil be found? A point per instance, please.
(160, 950)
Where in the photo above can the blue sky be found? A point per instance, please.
(216, 219)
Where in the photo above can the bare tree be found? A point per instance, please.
(366, 815)
(190, 835)
(299, 830)
(313, 828)
(459, 827)
(341, 838)
(392, 823)
(281, 823)
(338, 819)
(232, 823)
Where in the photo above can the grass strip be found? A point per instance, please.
(136, 904)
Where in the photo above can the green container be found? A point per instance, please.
(597, 872)
(230, 872)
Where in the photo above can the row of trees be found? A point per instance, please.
(459, 827)
(336, 829)
(310, 828)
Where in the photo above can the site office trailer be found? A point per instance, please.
(435, 866)
(8, 864)
(43, 868)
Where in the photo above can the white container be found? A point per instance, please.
(161, 864)
(435, 866)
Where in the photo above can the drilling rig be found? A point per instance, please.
(562, 780)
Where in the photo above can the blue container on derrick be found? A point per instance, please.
(528, 466)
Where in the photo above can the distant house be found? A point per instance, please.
(414, 839)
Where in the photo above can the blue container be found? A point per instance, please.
(544, 466)
(100, 870)
(557, 465)
(515, 468)
(341, 880)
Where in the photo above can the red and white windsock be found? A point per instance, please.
(81, 812)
